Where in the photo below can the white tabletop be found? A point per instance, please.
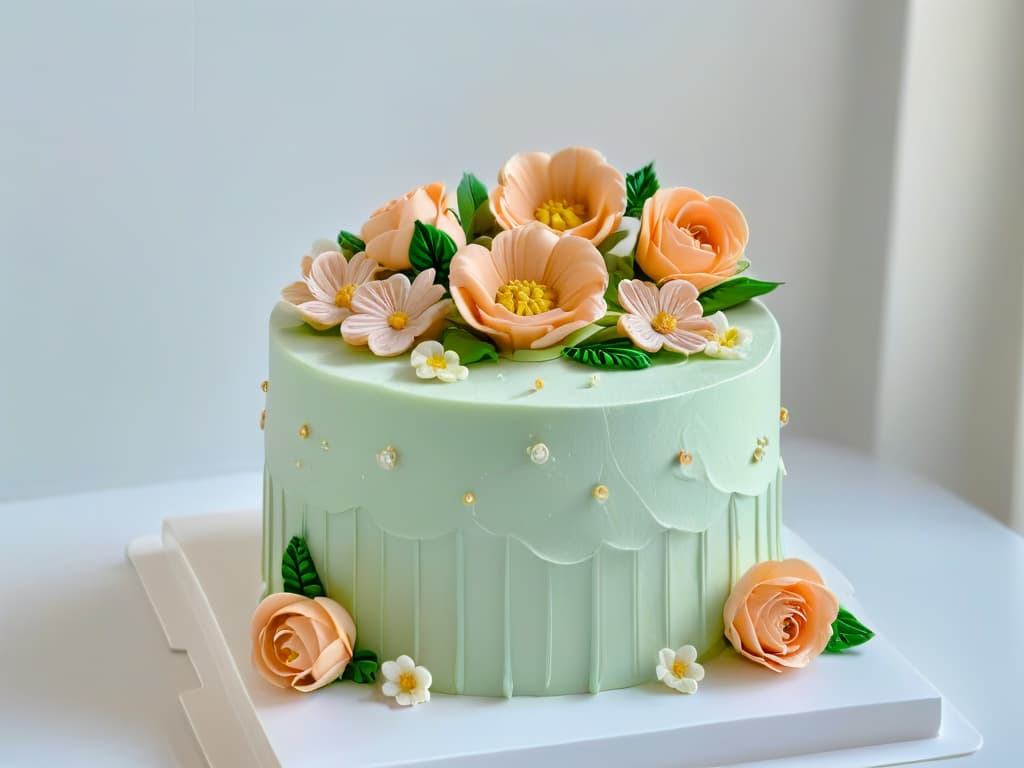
(88, 676)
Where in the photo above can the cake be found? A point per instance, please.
(538, 455)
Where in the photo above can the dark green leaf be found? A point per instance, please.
(612, 240)
(431, 248)
(299, 573)
(733, 292)
(847, 632)
(350, 244)
(609, 354)
(640, 185)
(483, 221)
(471, 349)
(471, 194)
(362, 668)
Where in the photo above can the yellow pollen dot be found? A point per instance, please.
(292, 656)
(343, 298)
(600, 492)
(398, 320)
(304, 431)
(784, 416)
(525, 297)
(265, 385)
(263, 419)
(685, 458)
(407, 681)
(678, 668)
(538, 384)
(561, 214)
(468, 497)
(664, 323)
(437, 362)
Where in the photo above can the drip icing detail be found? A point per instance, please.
(594, 684)
(506, 681)
(550, 629)
(268, 516)
(460, 612)
(636, 612)
(381, 580)
(734, 544)
(780, 473)
(326, 558)
(416, 599)
(284, 524)
(702, 591)
(757, 529)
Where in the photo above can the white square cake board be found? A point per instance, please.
(867, 707)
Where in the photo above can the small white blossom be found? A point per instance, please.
(432, 361)
(727, 343)
(405, 681)
(679, 669)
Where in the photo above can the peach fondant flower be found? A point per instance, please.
(301, 643)
(532, 289)
(388, 231)
(684, 235)
(668, 317)
(324, 296)
(389, 315)
(780, 614)
(573, 191)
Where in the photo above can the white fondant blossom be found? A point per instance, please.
(431, 361)
(329, 281)
(726, 342)
(679, 669)
(405, 681)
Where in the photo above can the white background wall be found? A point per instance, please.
(165, 164)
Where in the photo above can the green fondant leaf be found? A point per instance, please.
(742, 266)
(431, 248)
(362, 668)
(471, 194)
(733, 292)
(612, 240)
(640, 185)
(297, 569)
(484, 223)
(471, 349)
(619, 353)
(484, 240)
(350, 244)
(847, 632)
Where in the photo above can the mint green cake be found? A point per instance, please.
(504, 480)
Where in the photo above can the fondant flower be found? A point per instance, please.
(431, 361)
(389, 315)
(301, 643)
(725, 341)
(780, 614)
(388, 232)
(668, 317)
(679, 669)
(573, 192)
(298, 292)
(532, 289)
(327, 288)
(405, 681)
(684, 235)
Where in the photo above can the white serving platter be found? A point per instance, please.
(867, 707)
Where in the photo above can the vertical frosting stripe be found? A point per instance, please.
(702, 589)
(460, 612)
(506, 679)
(382, 576)
(667, 573)
(778, 511)
(550, 629)
(416, 598)
(594, 684)
(636, 612)
(268, 516)
(734, 544)
(757, 529)
(355, 556)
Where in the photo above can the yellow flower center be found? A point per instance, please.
(561, 214)
(398, 320)
(730, 338)
(664, 323)
(525, 297)
(343, 298)
(437, 362)
(292, 656)
(407, 681)
(678, 668)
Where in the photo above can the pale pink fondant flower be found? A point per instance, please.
(669, 316)
(389, 315)
(532, 289)
(325, 297)
(298, 292)
(575, 192)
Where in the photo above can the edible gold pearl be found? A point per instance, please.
(263, 419)
(685, 458)
(265, 385)
(304, 431)
(468, 497)
(538, 384)
(784, 416)
(600, 493)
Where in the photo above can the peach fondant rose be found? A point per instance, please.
(573, 191)
(532, 289)
(301, 643)
(780, 614)
(686, 236)
(389, 230)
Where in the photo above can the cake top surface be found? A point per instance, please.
(563, 383)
